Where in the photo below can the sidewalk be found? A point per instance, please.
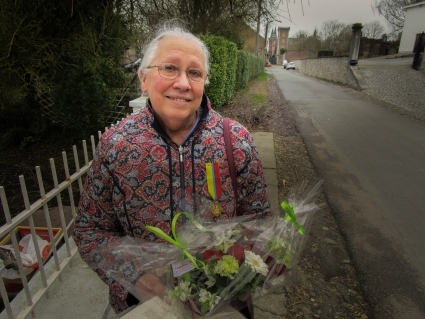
(81, 293)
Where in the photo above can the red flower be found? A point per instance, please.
(236, 251)
(212, 252)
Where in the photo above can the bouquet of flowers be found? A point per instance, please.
(210, 264)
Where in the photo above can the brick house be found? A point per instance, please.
(278, 39)
(249, 35)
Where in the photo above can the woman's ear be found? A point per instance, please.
(142, 77)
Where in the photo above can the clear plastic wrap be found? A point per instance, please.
(284, 240)
(212, 264)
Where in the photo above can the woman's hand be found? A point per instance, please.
(150, 285)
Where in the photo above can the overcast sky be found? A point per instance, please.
(318, 11)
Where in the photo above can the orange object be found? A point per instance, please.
(14, 286)
(42, 232)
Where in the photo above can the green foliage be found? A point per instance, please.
(242, 70)
(218, 69)
(283, 50)
(256, 66)
(232, 56)
(230, 70)
(258, 99)
(83, 98)
(58, 68)
(263, 76)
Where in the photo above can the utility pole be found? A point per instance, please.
(257, 38)
(265, 39)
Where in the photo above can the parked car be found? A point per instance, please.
(290, 65)
(268, 64)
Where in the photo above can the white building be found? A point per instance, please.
(414, 23)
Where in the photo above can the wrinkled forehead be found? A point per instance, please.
(179, 48)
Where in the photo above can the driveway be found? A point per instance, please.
(373, 163)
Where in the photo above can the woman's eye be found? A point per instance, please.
(169, 68)
(194, 73)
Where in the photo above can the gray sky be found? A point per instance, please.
(318, 11)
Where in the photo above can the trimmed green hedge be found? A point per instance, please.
(232, 56)
(230, 70)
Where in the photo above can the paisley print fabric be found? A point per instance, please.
(139, 177)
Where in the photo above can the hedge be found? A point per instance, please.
(230, 69)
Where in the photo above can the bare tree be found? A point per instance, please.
(227, 18)
(373, 30)
(393, 12)
(300, 39)
(334, 34)
(342, 40)
(219, 17)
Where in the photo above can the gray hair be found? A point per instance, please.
(174, 31)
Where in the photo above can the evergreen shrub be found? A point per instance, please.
(230, 69)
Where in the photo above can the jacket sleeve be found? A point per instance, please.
(97, 224)
(252, 192)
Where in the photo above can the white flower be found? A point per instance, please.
(211, 280)
(182, 291)
(219, 238)
(225, 238)
(210, 299)
(256, 263)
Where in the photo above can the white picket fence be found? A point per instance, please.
(43, 203)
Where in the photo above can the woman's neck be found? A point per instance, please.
(178, 133)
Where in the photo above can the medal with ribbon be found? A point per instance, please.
(214, 187)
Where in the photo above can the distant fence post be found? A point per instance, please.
(418, 50)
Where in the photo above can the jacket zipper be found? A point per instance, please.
(182, 187)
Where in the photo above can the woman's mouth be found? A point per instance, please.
(178, 99)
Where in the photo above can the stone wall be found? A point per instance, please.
(333, 69)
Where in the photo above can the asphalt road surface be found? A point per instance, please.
(373, 163)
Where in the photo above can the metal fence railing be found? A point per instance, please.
(56, 236)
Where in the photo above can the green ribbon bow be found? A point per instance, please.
(160, 233)
(291, 217)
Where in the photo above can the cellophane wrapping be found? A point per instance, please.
(230, 259)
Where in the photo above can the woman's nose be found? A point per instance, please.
(182, 80)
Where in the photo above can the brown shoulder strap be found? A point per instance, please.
(230, 159)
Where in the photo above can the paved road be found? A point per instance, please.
(373, 163)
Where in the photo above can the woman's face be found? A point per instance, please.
(175, 101)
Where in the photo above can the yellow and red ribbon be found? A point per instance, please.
(213, 180)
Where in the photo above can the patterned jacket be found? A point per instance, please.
(139, 177)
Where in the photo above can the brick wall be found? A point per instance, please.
(296, 55)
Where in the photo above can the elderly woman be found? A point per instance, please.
(153, 164)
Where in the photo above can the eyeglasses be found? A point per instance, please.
(171, 71)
